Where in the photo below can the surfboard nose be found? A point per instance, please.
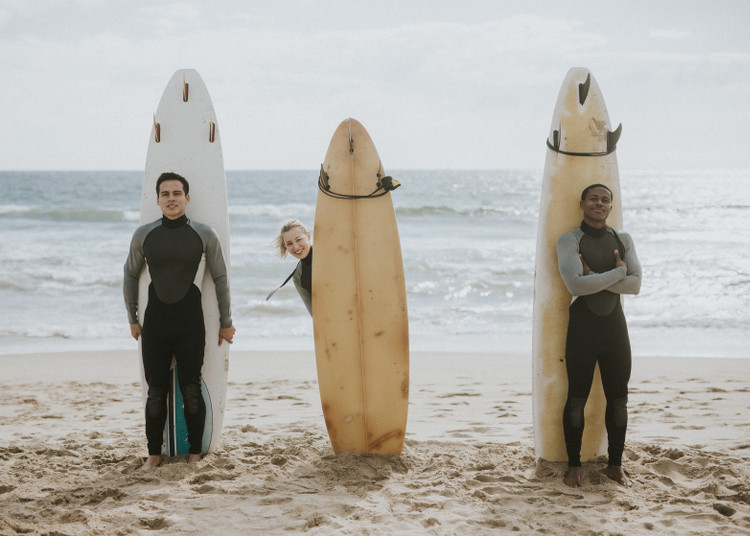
(580, 124)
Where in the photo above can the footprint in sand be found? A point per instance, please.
(157, 523)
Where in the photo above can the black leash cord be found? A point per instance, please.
(558, 150)
(386, 184)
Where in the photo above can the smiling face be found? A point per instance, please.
(596, 206)
(297, 242)
(172, 199)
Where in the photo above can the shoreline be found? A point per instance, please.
(673, 342)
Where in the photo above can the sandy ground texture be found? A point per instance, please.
(71, 441)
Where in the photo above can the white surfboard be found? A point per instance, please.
(580, 152)
(185, 139)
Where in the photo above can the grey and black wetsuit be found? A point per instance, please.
(302, 276)
(303, 280)
(177, 253)
(597, 331)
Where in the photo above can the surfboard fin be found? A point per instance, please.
(323, 180)
(556, 139)
(613, 137)
(157, 131)
(351, 140)
(583, 90)
(184, 89)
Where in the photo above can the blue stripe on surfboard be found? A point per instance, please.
(175, 432)
(166, 448)
(174, 415)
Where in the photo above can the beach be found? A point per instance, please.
(465, 106)
(72, 442)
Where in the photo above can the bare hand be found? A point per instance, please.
(135, 330)
(619, 261)
(586, 269)
(226, 334)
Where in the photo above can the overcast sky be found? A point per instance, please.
(457, 84)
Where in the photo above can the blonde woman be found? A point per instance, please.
(294, 239)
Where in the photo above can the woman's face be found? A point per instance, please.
(297, 242)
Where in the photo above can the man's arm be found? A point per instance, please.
(571, 270)
(218, 268)
(132, 273)
(632, 282)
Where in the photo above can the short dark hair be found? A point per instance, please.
(172, 176)
(586, 190)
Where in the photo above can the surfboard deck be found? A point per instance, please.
(360, 318)
(184, 141)
(580, 125)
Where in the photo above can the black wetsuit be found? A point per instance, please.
(176, 252)
(597, 331)
(303, 280)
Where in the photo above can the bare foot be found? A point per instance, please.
(151, 463)
(616, 473)
(192, 458)
(573, 477)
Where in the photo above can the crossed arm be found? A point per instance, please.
(624, 278)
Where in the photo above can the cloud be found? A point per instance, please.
(440, 85)
(670, 35)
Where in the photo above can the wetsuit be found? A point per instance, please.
(302, 276)
(177, 253)
(303, 280)
(597, 331)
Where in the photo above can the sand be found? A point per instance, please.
(71, 441)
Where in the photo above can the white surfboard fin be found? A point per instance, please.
(583, 90)
(613, 137)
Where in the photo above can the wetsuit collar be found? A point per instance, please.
(173, 224)
(592, 231)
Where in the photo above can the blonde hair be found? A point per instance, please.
(286, 227)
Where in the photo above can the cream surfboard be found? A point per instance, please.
(359, 300)
(580, 152)
(185, 139)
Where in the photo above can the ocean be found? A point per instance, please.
(468, 240)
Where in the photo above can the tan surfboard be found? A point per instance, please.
(359, 299)
(580, 152)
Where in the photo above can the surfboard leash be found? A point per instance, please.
(612, 139)
(382, 187)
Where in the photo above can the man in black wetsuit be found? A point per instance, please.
(597, 264)
(177, 251)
